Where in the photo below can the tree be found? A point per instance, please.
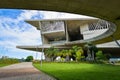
(51, 53)
(91, 50)
(77, 52)
(65, 54)
(29, 58)
(73, 51)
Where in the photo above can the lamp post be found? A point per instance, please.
(42, 55)
(36, 52)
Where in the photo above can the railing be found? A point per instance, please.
(108, 27)
(101, 24)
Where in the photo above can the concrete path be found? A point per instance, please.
(22, 71)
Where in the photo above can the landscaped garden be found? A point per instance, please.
(80, 71)
(88, 52)
(79, 63)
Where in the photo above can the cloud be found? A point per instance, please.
(34, 14)
(30, 14)
(14, 31)
(18, 34)
(54, 15)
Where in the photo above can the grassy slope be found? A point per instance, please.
(1, 65)
(81, 71)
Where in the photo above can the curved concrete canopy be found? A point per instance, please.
(105, 9)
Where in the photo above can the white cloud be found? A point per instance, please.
(28, 14)
(14, 34)
(54, 15)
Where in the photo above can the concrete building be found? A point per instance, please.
(64, 33)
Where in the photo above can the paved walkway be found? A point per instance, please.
(22, 71)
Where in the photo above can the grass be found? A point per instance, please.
(2, 65)
(8, 61)
(80, 71)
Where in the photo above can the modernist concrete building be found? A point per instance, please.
(64, 33)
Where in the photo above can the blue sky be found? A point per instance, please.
(14, 31)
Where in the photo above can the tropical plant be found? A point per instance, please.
(51, 53)
(100, 56)
(77, 52)
(73, 52)
(66, 54)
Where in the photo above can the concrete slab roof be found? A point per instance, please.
(36, 23)
(40, 47)
(103, 8)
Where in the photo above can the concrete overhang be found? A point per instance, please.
(74, 21)
(40, 47)
(36, 23)
(104, 9)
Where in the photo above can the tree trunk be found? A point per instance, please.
(89, 55)
(67, 58)
(93, 57)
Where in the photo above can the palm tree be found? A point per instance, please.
(77, 53)
(51, 53)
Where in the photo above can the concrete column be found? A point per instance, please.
(66, 31)
(42, 39)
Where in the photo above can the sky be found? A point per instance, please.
(14, 31)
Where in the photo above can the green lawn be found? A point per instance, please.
(81, 71)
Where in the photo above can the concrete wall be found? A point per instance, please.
(45, 40)
(115, 52)
(52, 30)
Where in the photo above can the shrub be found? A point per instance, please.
(9, 61)
(36, 61)
(100, 56)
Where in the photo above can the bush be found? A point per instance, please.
(9, 61)
(100, 56)
(36, 61)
